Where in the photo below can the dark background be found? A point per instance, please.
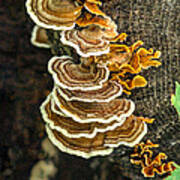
(25, 82)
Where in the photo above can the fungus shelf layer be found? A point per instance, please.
(83, 113)
(90, 41)
(57, 15)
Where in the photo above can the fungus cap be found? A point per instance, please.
(93, 8)
(71, 76)
(87, 42)
(70, 128)
(102, 112)
(54, 14)
(88, 19)
(109, 91)
(130, 133)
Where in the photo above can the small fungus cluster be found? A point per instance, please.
(85, 114)
(143, 155)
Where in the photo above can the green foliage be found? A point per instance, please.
(175, 99)
(175, 175)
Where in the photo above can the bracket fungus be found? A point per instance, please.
(108, 91)
(54, 14)
(87, 42)
(124, 59)
(88, 127)
(93, 8)
(39, 37)
(88, 19)
(84, 113)
(92, 40)
(69, 75)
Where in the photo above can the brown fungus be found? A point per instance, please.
(88, 127)
(57, 120)
(103, 143)
(54, 14)
(69, 75)
(85, 112)
(108, 91)
(87, 42)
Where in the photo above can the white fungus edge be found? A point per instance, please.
(76, 152)
(88, 120)
(66, 133)
(131, 144)
(41, 24)
(75, 46)
(55, 77)
(74, 98)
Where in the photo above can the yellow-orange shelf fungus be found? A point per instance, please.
(98, 2)
(39, 37)
(156, 165)
(83, 113)
(143, 155)
(122, 59)
(56, 14)
(130, 59)
(88, 19)
(137, 81)
(147, 120)
(93, 8)
(143, 58)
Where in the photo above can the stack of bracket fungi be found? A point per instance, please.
(85, 114)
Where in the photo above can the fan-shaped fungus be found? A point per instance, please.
(88, 19)
(123, 59)
(129, 134)
(71, 76)
(87, 42)
(57, 120)
(54, 14)
(91, 41)
(93, 8)
(88, 127)
(106, 93)
(85, 112)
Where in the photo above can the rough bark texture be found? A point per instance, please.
(25, 82)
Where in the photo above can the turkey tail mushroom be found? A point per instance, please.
(56, 14)
(83, 113)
